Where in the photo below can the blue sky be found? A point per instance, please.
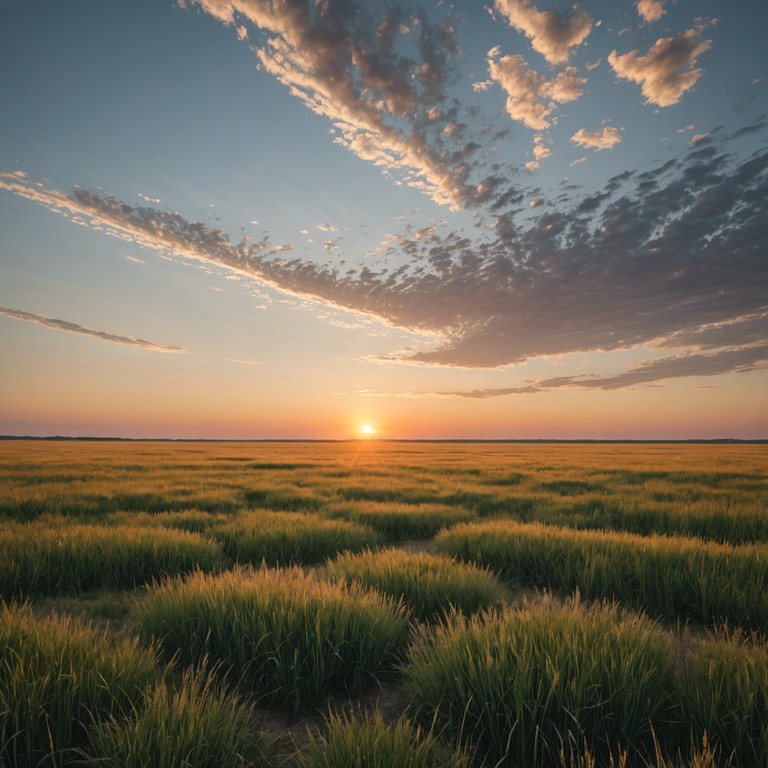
(499, 219)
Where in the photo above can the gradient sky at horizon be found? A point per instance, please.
(503, 219)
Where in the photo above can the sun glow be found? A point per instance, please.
(366, 429)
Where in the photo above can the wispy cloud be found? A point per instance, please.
(346, 61)
(68, 327)
(655, 258)
(739, 360)
(243, 362)
(667, 71)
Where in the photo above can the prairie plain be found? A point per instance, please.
(373, 603)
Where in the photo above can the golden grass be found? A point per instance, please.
(181, 496)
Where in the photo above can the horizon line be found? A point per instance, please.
(86, 438)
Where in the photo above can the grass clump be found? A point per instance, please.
(723, 688)
(670, 577)
(360, 741)
(523, 685)
(400, 522)
(197, 725)
(192, 520)
(431, 585)
(57, 676)
(283, 538)
(41, 559)
(288, 636)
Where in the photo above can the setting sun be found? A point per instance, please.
(366, 429)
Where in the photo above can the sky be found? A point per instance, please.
(296, 219)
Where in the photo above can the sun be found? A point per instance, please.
(366, 429)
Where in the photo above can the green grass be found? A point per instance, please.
(400, 522)
(670, 577)
(404, 491)
(192, 520)
(198, 724)
(282, 538)
(57, 676)
(367, 741)
(524, 684)
(285, 635)
(723, 688)
(431, 586)
(73, 558)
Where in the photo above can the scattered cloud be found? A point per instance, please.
(578, 161)
(650, 10)
(135, 259)
(552, 33)
(665, 257)
(740, 360)
(541, 147)
(68, 327)
(531, 98)
(602, 138)
(346, 62)
(667, 71)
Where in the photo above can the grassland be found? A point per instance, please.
(390, 604)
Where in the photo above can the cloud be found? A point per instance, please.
(740, 360)
(67, 327)
(347, 62)
(552, 33)
(650, 10)
(667, 71)
(531, 98)
(602, 138)
(243, 362)
(541, 148)
(659, 258)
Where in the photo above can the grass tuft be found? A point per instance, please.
(400, 522)
(359, 741)
(432, 586)
(288, 636)
(669, 577)
(56, 677)
(73, 558)
(283, 538)
(522, 685)
(198, 724)
(723, 688)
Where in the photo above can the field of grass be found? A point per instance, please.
(383, 604)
